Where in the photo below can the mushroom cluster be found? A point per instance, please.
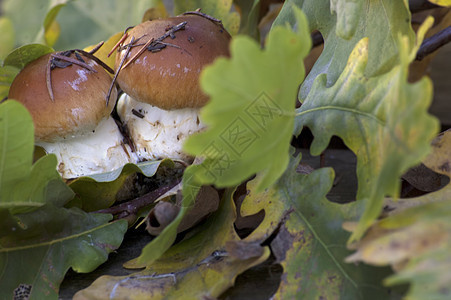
(158, 67)
(70, 113)
(71, 97)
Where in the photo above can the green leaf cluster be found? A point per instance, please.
(250, 117)
(39, 238)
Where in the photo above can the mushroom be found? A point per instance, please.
(65, 93)
(158, 68)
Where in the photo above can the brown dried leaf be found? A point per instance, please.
(165, 212)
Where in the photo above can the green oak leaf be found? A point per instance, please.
(343, 23)
(348, 16)
(250, 112)
(382, 119)
(99, 191)
(202, 265)
(24, 186)
(310, 243)
(37, 251)
(216, 9)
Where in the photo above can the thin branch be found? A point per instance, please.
(96, 59)
(127, 52)
(140, 51)
(434, 42)
(132, 207)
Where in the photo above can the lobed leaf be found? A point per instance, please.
(382, 119)
(250, 113)
(343, 23)
(415, 237)
(24, 186)
(310, 243)
(203, 265)
(37, 251)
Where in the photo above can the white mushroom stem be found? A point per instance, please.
(158, 133)
(99, 151)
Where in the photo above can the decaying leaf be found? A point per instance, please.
(164, 212)
(446, 3)
(197, 267)
(415, 237)
(438, 161)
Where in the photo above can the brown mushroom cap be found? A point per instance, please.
(169, 78)
(79, 98)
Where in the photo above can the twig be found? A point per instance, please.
(144, 47)
(131, 207)
(96, 59)
(127, 51)
(62, 57)
(171, 32)
(123, 38)
(48, 79)
(434, 42)
(197, 12)
(96, 48)
(74, 61)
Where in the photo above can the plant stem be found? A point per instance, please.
(434, 42)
